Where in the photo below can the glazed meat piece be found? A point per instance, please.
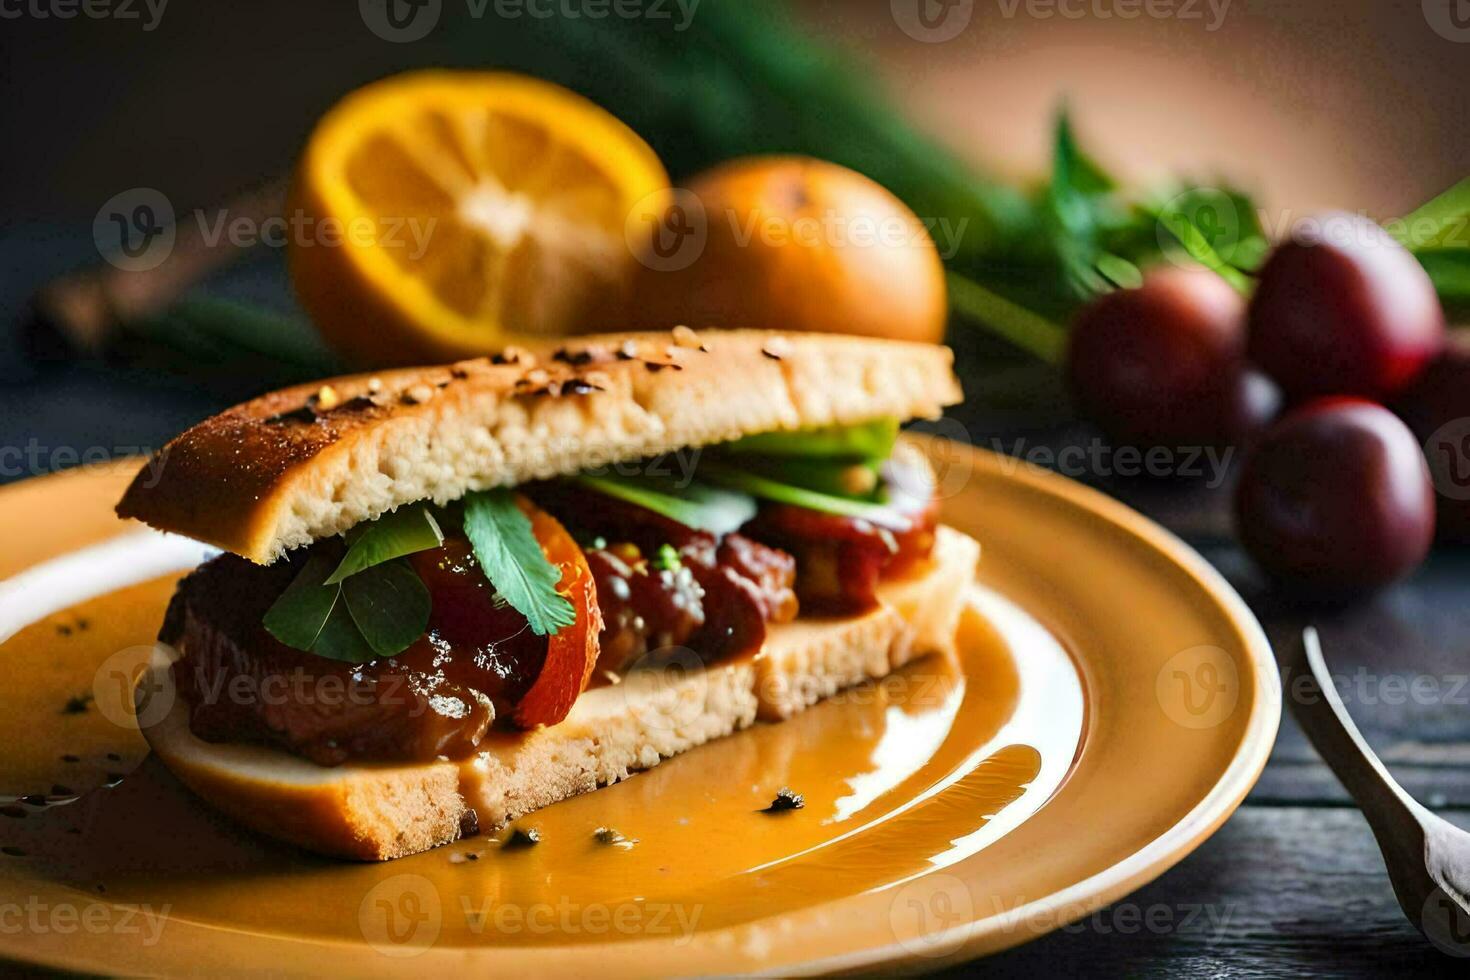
(643, 607)
(714, 600)
(840, 560)
(663, 584)
(771, 572)
(437, 698)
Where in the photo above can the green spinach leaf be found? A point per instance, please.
(402, 532)
(299, 614)
(389, 604)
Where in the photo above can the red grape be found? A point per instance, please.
(1336, 499)
(1343, 309)
(1437, 408)
(1164, 364)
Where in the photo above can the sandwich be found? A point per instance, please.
(449, 596)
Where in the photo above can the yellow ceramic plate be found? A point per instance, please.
(1113, 702)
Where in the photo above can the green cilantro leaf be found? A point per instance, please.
(375, 613)
(513, 561)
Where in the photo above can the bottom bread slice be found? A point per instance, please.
(378, 812)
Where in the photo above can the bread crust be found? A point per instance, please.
(310, 461)
(379, 812)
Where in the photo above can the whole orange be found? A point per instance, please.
(790, 243)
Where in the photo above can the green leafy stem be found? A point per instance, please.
(1096, 238)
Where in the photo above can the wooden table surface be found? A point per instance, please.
(1293, 882)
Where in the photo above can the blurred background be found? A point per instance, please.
(1353, 103)
(1302, 104)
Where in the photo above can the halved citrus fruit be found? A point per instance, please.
(443, 214)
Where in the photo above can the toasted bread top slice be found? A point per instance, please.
(314, 460)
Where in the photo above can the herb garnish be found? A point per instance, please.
(523, 838)
(389, 604)
(785, 493)
(513, 561)
(377, 612)
(299, 614)
(340, 638)
(785, 800)
(371, 603)
(667, 559)
(401, 532)
(705, 508)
